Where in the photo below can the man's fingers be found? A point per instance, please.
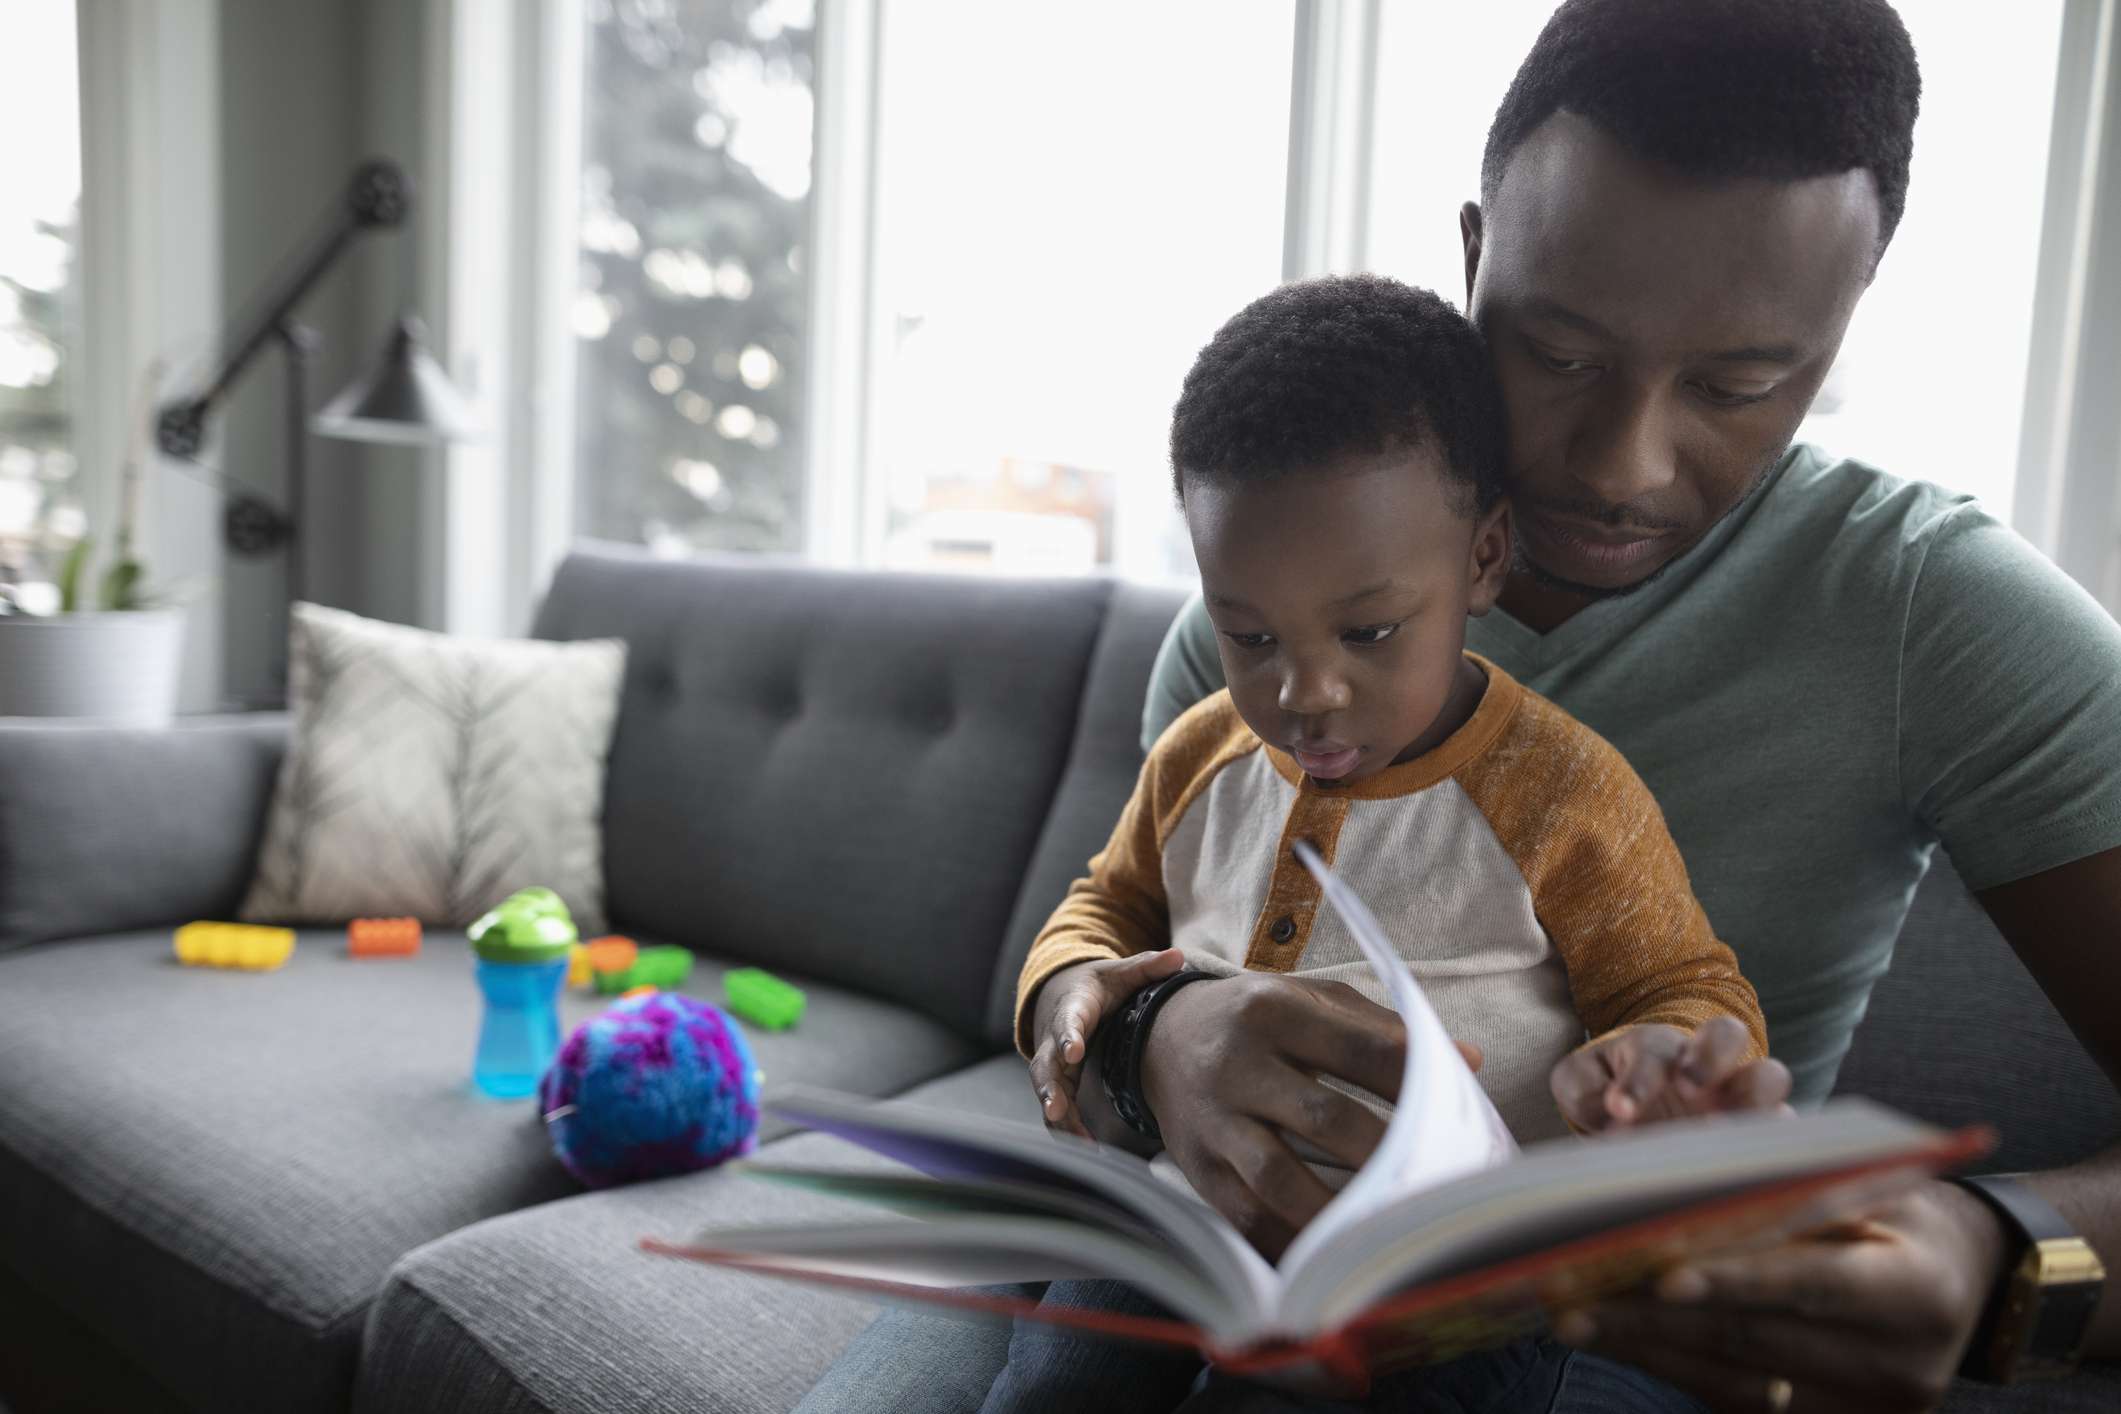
(1727, 1356)
(1475, 1058)
(1327, 1120)
(1284, 1193)
(1816, 1280)
(1334, 1030)
(1712, 1380)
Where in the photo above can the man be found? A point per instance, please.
(1820, 672)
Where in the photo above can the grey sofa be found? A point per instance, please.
(235, 1192)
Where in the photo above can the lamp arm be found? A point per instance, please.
(380, 194)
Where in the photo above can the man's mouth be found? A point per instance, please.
(1607, 549)
(1326, 760)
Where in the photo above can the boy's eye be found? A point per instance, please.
(1371, 634)
(1250, 640)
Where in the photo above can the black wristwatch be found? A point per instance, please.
(2035, 1321)
(1121, 1068)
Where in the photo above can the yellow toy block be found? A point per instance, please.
(579, 971)
(240, 945)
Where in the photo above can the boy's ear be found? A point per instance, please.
(1489, 564)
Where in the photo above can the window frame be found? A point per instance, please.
(2066, 500)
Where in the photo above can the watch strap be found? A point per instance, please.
(1120, 1070)
(2035, 1320)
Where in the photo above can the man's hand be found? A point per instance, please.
(1873, 1318)
(1071, 1005)
(1653, 1072)
(1232, 1074)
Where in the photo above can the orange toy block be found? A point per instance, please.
(646, 989)
(383, 937)
(611, 953)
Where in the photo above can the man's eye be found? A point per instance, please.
(1724, 397)
(1555, 363)
(1373, 634)
(1250, 640)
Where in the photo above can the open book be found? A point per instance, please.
(1448, 1239)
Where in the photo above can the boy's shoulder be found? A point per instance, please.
(1199, 743)
(1547, 772)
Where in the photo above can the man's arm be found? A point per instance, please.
(2064, 925)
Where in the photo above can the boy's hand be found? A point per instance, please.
(1654, 1072)
(1071, 1004)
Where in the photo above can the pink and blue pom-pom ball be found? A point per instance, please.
(657, 1085)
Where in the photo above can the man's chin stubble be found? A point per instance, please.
(1547, 579)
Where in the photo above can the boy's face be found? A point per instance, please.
(1340, 602)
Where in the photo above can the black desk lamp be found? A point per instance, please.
(406, 399)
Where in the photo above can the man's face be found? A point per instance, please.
(1340, 602)
(1658, 339)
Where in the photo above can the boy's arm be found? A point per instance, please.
(1607, 882)
(1116, 911)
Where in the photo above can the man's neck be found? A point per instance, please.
(1540, 607)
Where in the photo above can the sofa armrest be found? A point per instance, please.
(108, 828)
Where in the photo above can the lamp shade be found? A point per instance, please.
(406, 398)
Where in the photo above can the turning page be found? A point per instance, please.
(1443, 1125)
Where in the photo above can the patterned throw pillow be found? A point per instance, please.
(433, 776)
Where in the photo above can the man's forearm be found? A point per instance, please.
(2089, 1195)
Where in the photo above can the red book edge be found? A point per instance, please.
(1349, 1352)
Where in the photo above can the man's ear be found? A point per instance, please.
(1489, 564)
(1469, 237)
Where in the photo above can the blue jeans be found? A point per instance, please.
(915, 1360)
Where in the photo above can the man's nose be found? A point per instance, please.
(1626, 449)
(1311, 689)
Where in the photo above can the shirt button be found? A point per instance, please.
(1284, 929)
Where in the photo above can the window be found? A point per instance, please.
(1931, 380)
(1070, 200)
(1950, 312)
(690, 302)
(39, 211)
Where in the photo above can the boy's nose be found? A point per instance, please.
(1310, 694)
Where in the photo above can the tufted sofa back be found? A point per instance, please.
(847, 775)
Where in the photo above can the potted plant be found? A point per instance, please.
(107, 651)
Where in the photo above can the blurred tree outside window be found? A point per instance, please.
(690, 303)
(39, 296)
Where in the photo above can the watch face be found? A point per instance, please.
(2061, 1316)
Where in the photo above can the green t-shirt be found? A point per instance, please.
(1845, 672)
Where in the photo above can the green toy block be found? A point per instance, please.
(666, 967)
(763, 999)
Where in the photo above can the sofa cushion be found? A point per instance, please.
(431, 775)
(1104, 760)
(557, 1308)
(106, 828)
(1958, 1026)
(832, 773)
(215, 1170)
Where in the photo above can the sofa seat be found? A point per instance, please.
(556, 1308)
(216, 1170)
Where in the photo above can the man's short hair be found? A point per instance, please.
(1784, 89)
(1346, 365)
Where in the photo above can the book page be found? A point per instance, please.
(1443, 1125)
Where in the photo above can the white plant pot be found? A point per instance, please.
(107, 667)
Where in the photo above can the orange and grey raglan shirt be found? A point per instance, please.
(1521, 868)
